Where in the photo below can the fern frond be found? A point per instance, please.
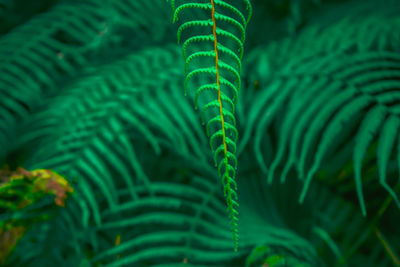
(376, 30)
(368, 128)
(57, 53)
(364, 84)
(222, 78)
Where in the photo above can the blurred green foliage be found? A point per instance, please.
(94, 90)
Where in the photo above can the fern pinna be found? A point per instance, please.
(213, 49)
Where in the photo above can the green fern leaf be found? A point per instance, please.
(368, 129)
(343, 117)
(386, 143)
(323, 106)
(221, 78)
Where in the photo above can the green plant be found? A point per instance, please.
(94, 90)
(224, 81)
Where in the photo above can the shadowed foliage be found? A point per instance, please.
(105, 162)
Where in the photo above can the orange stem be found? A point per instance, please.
(218, 83)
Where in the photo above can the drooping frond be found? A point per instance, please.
(319, 90)
(362, 85)
(213, 49)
